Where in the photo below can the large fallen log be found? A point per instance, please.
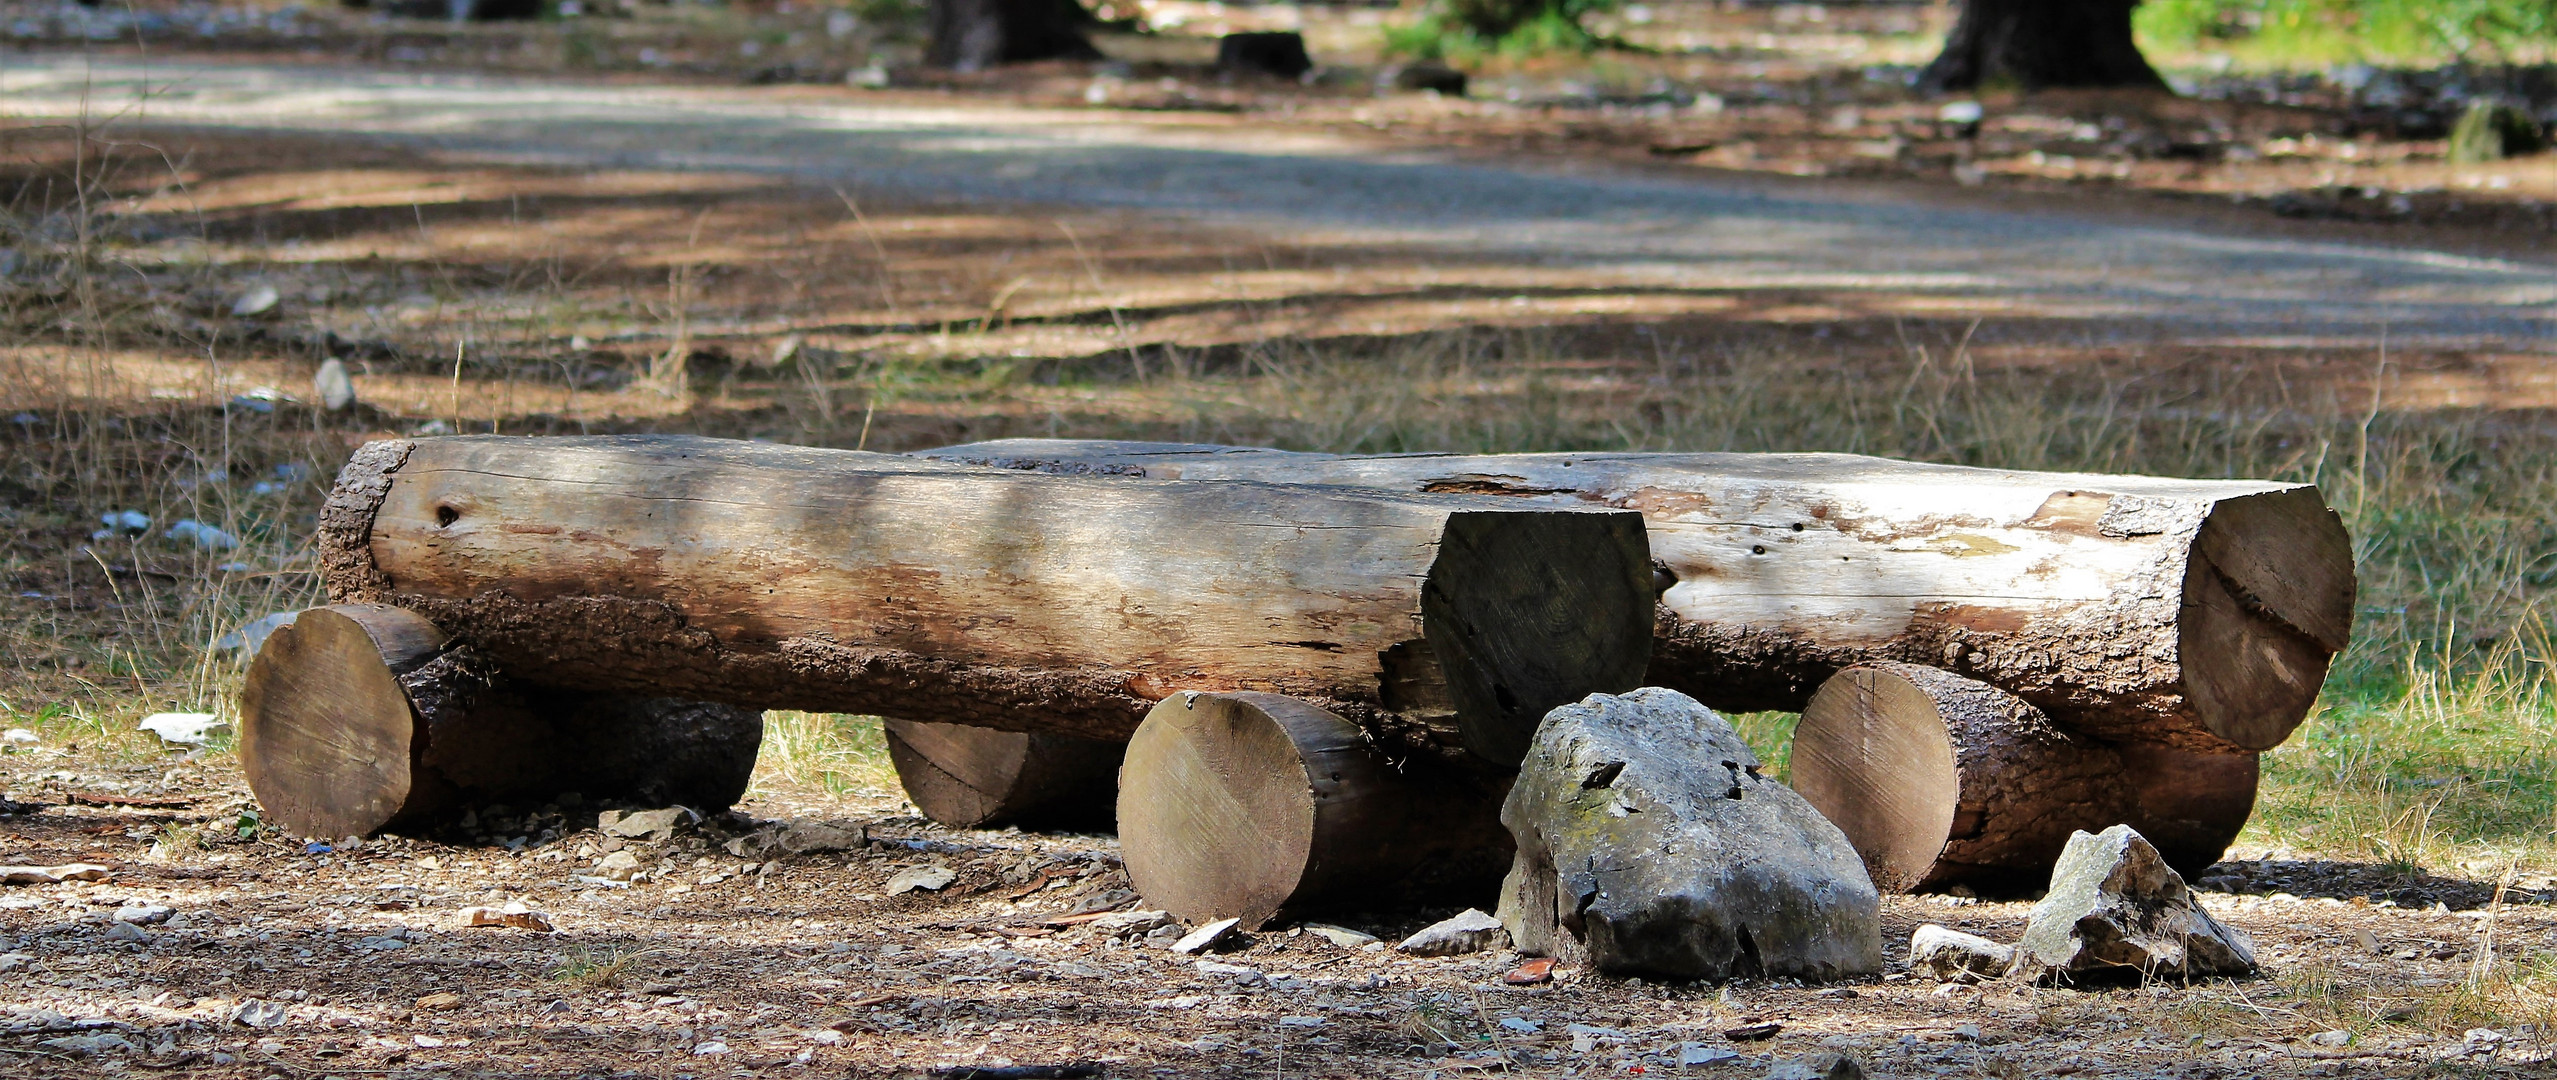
(359, 717)
(2196, 614)
(829, 580)
(1940, 780)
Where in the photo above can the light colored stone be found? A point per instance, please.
(926, 878)
(617, 866)
(1206, 938)
(1953, 956)
(650, 825)
(259, 300)
(1691, 1054)
(1340, 935)
(257, 1013)
(49, 875)
(18, 736)
(1648, 844)
(184, 728)
(2330, 1038)
(1469, 931)
(333, 386)
(2116, 907)
(143, 914)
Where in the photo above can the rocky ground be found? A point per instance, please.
(210, 948)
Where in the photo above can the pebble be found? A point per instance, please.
(125, 931)
(513, 916)
(1339, 935)
(1236, 973)
(256, 301)
(256, 1013)
(1206, 938)
(2330, 1038)
(653, 825)
(1696, 1053)
(925, 878)
(1467, 931)
(619, 866)
(143, 914)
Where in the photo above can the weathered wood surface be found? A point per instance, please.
(359, 717)
(2197, 614)
(972, 777)
(787, 577)
(1940, 780)
(1250, 805)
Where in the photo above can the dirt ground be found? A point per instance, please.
(719, 965)
(797, 315)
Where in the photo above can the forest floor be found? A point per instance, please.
(639, 248)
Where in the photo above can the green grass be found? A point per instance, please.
(2307, 33)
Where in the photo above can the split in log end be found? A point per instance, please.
(1247, 805)
(2268, 594)
(974, 777)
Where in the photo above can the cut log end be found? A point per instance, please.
(358, 717)
(325, 729)
(2269, 592)
(1872, 754)
(973, 777)
(1526, 614)
(1247, 805)
(1940, 780)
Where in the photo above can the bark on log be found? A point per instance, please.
(838, 581)
(1250, 805)
(1940, 780)
(973, 777)
(2196, 614)
(358, 717)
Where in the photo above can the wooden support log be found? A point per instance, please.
(839, 581)
(1940, 780)
(2195, 614)
(358, 717)
(973, 777)
(1248, 805)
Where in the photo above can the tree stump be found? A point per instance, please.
(1940, 780)
(358, 717)
(973, 777)
(1248, 805)
(2039, 44)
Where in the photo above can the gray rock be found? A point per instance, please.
(2115, 906)
(1467, 931)
(654, 825)
(1340, 935)
(926, 878)
(1953, 956)
(125, 931)
(334, 387)
(143, 914)
(1820, 1066)
(1649, 845)
(1207, 937)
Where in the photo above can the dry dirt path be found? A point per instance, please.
(1874, 251)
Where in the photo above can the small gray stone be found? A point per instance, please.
(2330, 1039)
(1340, 935)
(125, 931)
(617, 866)
(1821, 1066)
(2115, 906)
(143, 914)
(259, 300)
(1125, 924)
(653, 825)
(925, 878)
(1691, 1054)
(1953, 956)
(1467, 931)
(1206, 937)
(1649, 845)
(333, 386)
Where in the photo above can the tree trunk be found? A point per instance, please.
(1940, 780)
(359, 717)
(838, 581)
(972, 777)
(1249, 805)
(2037, 44)
(972, 35)
(2195, 614)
